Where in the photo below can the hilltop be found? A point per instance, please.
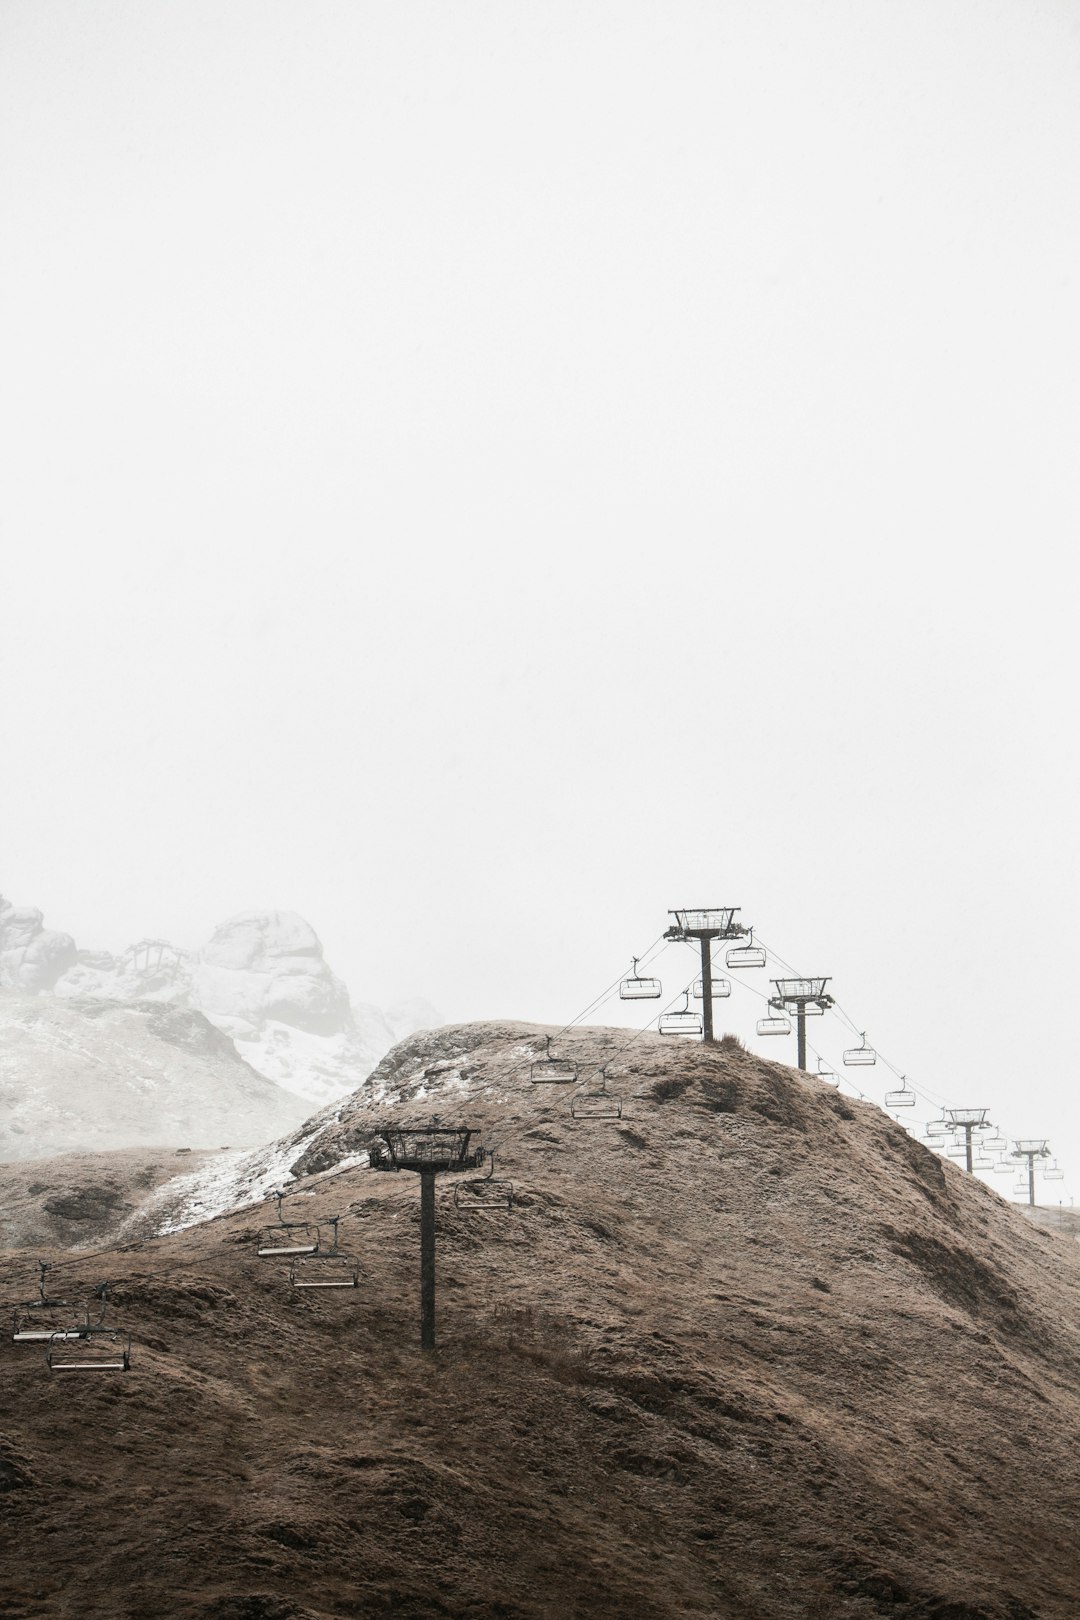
(748, 1352)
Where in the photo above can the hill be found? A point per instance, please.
(748, 1352)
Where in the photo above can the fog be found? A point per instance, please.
(480, 476)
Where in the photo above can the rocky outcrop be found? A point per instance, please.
(32, 957)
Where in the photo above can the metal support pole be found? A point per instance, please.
(801, 1028)
(1031, 1178)
(706, 986)
(967, 1144)
(427, 1260)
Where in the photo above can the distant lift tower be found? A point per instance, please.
(966, 1120)
(1031, 1148)
(802, 997)
(429, 1150)
(706, 924)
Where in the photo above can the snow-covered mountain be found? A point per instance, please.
(94, 1075)
(261, 979)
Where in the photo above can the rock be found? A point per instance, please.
(32, 957)
(264, 967)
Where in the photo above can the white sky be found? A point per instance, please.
(482, 474)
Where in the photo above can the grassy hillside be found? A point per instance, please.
(748, 1351)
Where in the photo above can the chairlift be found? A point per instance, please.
(938, 1127)
(287, 1237)
(326, 1268)
(720, 989)
(90, 1352)
(745, 956)
(484, 1194)
(598, 1104)
(902, 1098)
(982, 1161)
(858, 1056)
(1003, 1168)
(552, 1071)
(808, 1009)
(36, 1321)
(1053, 1172)
(996, 1143)
(827, 1076)
(774, 1026)
(636, 988)
(1022, 1187)
(685, 1020)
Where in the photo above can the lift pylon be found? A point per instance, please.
(1031, 1148)
(967, 1120)
(704, 924)
(801, 996)
(429, 1150)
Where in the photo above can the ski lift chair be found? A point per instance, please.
(486, 1194)
(36, 1321)
(996, 1143)
(1053, 1172)
(827, 1076)
(598, 1104)
(982, 1161)
(326, 1268)
(745, 956)
(720, 989)
(90, 1351)
(287, 1238)
(685, 1020)
(902, 1098)
(859, 1056)
(552, 1071)
(1003, 1168)
(938, 1127)
(774, 1026)
(636, 988)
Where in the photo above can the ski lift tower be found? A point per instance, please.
(801, 996)
(967, 1120)
(1031, 1148)
(705, 924)
(429, 1150)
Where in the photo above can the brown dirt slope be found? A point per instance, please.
(747, 1352)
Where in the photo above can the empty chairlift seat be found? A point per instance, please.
(774, 1025)
(287, 1238)
(684, 1020)
(552, 1071)
(903, 1097)
(327, 1267)
(858, 1056)
(484, 1195)
(720, 989)
(91, 1351)
(598, 1104)
(745, 956)
(636, 988)
(827, 1076)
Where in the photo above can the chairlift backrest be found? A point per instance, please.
(774, 1026)
(324, 1271)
